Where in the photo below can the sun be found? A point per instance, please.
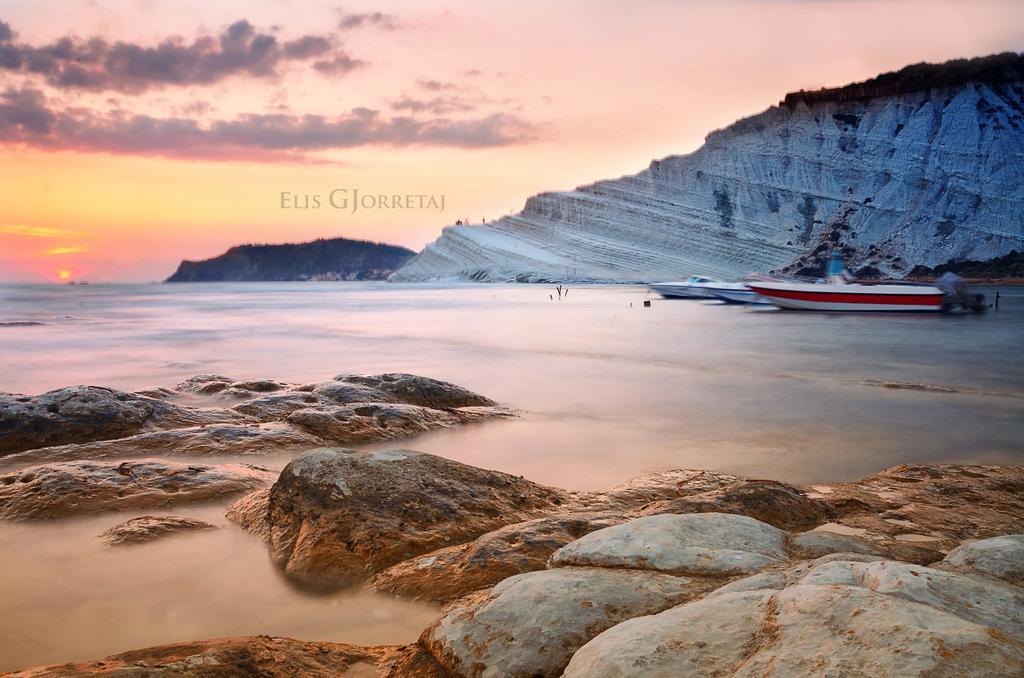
(63, 275)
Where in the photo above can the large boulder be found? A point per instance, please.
(149, 528)
(81, 414)
(451, 572)
(262, 656)
(712, 544)
(530, 624)
(836, 618)
(1000, 557)
(59, 490)
(336, 516)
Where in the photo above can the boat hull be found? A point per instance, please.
(739, 296)
(680, 291)
(858, 298)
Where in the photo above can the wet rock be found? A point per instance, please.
(416, 390)
(449, 573)
(771, 502)
(264, 415)
(639, 492)
(206, 384)
(530, 624)
(840, 618)
(59, 490)
(344, 393)
(335, 515)
(376, 421)
(367, 422)
(251, 513)
(150, 528)
(80, 414)
(262, 656)
(712, 544)
(197, 441)
(1000, 557)
(817, 543)
(277, 406)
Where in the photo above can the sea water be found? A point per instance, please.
(607, 389)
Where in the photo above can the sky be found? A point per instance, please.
(136, 133)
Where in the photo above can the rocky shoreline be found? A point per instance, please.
(917, 570)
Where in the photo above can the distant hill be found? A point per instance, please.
(325, 259)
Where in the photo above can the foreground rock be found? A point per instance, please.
(449, 573)
(858, 517)
(336, 516)
(150, 528)
(66, 489)
(932, 507)
(530, 624)
(255, 656)
(631, 592)
(836, 618)
(999, 557)
(209, 415)
(713, 544)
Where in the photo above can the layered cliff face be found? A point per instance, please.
(896, 175)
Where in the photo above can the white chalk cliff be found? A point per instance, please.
(921, 166)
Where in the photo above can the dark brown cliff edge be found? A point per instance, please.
(1004, 69)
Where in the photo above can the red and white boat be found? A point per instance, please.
(835, 296)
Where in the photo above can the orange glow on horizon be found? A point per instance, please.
(63, 275)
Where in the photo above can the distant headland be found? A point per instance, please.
(324, 259)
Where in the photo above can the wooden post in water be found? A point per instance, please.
(997, 300)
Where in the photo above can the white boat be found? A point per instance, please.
(693, 287)
(735, 293)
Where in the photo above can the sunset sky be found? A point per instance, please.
(135, 133)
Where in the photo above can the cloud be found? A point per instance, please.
(436, 85)
(339, 64)
(27, 119)
(97, 65)
(435, 105)
(41, 231)
(71, 249)
(380, 20)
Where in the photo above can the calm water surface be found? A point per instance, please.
(608, 390)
